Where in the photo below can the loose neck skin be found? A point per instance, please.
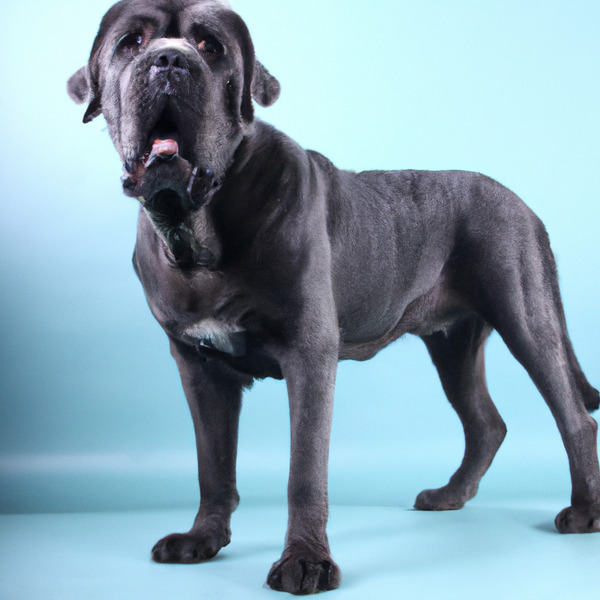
(182, 214)
(259, 184)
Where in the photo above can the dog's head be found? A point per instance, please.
(179, 71)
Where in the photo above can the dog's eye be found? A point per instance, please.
(210, 47)
(130, 43)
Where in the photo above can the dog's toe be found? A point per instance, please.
(186, 548)
(443, 498)
(578, 520)
(303, 573)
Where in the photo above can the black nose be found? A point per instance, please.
(171, 59)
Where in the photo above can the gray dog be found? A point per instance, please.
(260, 259)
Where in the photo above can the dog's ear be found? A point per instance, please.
(80, 91)
(257, 83)
(78, 86)
(83, 85)
(265, 88)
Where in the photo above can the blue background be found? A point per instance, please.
(92, 416)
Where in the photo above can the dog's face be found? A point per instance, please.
(180, 70)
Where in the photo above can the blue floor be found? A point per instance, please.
(498, 551)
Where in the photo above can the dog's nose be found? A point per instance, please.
(171, 59)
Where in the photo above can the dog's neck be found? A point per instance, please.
(232, 211)
(191, 243)
(184, 220)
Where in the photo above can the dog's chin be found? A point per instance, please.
(167, 184)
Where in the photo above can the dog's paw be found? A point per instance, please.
(304, 572)
(578, 520)
(443, 498)
(187, 548)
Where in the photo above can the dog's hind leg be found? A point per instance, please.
(519, 297)
(458, 355)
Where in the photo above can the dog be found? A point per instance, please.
(261, 259)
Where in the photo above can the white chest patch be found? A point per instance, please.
(214, 334)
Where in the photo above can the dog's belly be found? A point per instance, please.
(435, 310)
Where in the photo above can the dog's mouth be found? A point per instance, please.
(165, 127)
(169, 127)
(165, 174)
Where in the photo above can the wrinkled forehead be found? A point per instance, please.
(166, 18)
(173, 7)
(169, 17)
(164, 11)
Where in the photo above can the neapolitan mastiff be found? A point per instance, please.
(260, 259)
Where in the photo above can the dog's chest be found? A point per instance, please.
(212, 316)
(220, 313)
(205, 310)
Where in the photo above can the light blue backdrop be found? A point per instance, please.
(91, 412)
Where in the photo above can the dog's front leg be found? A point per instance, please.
(306, 565)
(214, 396)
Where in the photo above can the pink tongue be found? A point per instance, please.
(165, 147)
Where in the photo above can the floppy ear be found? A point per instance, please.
(257, 82)
(78, 86)
(80, 91)
(265, 88)
(259, 85)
